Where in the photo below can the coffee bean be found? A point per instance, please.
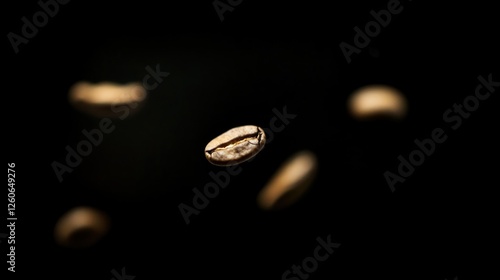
(289, 183)
(235, 145)
(377, 102)
(81, 227)
(107, 99)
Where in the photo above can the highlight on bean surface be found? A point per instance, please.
(107, 99)
(377, 102)
(290, 182)
(81, 227)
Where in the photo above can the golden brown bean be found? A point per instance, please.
(81, 227)
(235, 145)
(107, 99)
(377, 102)
(290, 182)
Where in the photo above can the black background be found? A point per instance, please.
(438, 224)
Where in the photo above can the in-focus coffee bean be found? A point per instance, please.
(235, 145)
(290, 182)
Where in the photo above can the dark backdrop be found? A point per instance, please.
(265, 55)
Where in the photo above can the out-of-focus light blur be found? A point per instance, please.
(289, 183)
(105, 99)
(81, 227)
(377, 102)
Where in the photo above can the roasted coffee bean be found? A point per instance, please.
(377, 102)
(235, 145)
(107, 99)
(289, 183)
(81, 227)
